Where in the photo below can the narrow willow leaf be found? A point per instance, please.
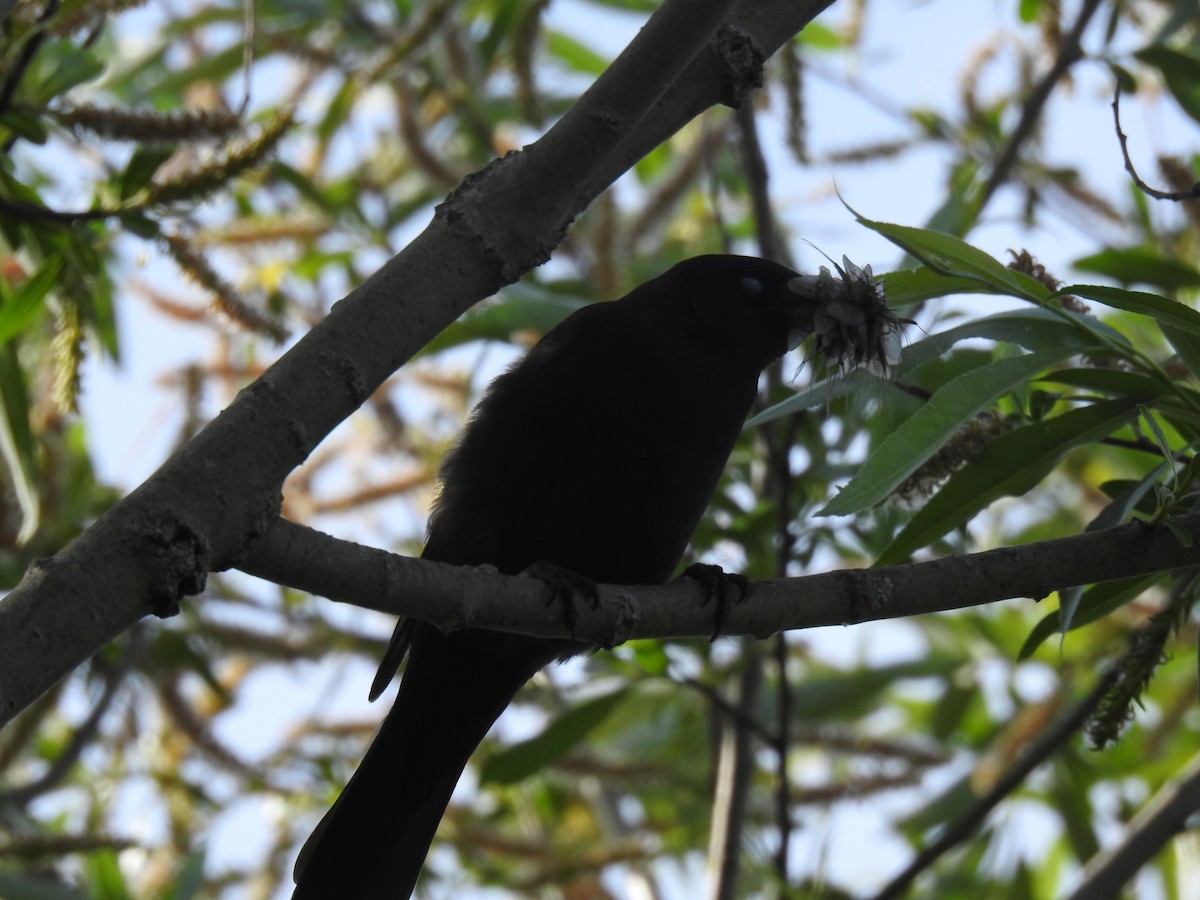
(141, 168)
(574, 55)
(908, 286)
(1119, 509)
(1186, 344)
(16, 441)
(1161, 309)
(952, 256)
(1181, 72)
(849, 694)
(1159, 438)
(523, 308)
(922, 435)
(1033, 329)
(26, 124)
(1181, 534)
(1098, 601)
(30, 299)
(1109, 381)
(1140, 265)
(1010, 466)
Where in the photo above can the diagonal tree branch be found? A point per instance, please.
(1166, 815)
(1046, 745)
(1070, 51)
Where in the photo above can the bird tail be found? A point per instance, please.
(372, 843)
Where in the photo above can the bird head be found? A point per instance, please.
(756, 310)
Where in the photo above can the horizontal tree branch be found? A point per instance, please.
(452, 597)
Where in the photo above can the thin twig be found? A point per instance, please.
(731, 794)
(1033, 756)
(1070, 52)
(723, 706)
(754, 165)
(778, 438)
(34, 211)
(249, 34)
(1145, 188)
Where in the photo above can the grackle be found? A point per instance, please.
(596, 454)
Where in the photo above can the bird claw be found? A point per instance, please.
(565, 587)
(727, 588)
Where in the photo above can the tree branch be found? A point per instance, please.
(1070, 51)
(452, 597)
(731, 792)
(1037, 752)
(1160, 820)
(1124, 141)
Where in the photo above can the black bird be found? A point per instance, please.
(597, 453)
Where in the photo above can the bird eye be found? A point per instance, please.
(751, 287)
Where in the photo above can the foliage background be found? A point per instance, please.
(266, 159)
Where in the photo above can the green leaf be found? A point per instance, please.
(1098, 601)
(1033, 329)
(25, 124)
(650, 656)
(1162, 310)
(1029, 10)
(1160, 439)
(1186, 344)
(67, 65)
(525, 307)
(314, 262)
(215, 67)
(107, 882)
(337, 111)
(1109, 381)
(142, 226)
(843, 695)
(574, 55)
(524, 759)
(1070, 796)
(1183, 16)
(1010, 466)
(1119, 509)
(919, 437)
(1182, 535)
(1181, 72)
(181, 650)
(141, 168)
(16, 441)
(189, 878)
(950, 256)
(908, 286)
(817, 36)
(30, 299)
(1140, 265)
(948, 805)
